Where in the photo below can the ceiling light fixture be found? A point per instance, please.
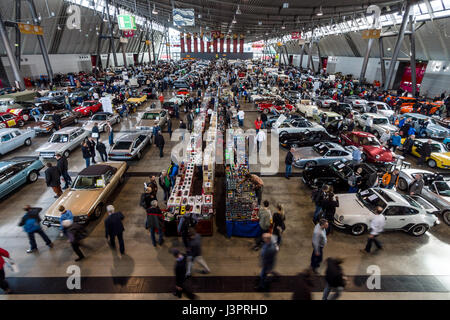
(285, 5)
(234, 20)
(238, 10)
(154, 9)
(259, 22)
(320, 13)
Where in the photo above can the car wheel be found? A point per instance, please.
(310, 164)
(33, 176)
(75, 120)
(139, 155)
(431, 163)
(358, 229)
(446, 217)
(20, 123)
(54, 130)
(27, 142)
(419, 230)
(90, 113)
(294, 145)
(377, 135)
(363, 157)
(97, 212)
(66, 153)
(402, 184)
(266, 111)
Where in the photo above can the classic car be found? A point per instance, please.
(324, 101)
(88, 195)
(440, 155)
(183, 92)
(272, 118)
(129, 146)
(306, 139)
(356, 102)
(335, 175)
(373, 151)
(137, 100)
(380, 124)
(295, 125)
(101, 118)
(277, 105)
(9, 120)
(151, 117)
(23, 112)
(331, 116)
(63, 142)
(433, 129)
(50, 106)
(88, 108)
(11, 139)
(17, 171)
(414, 215)
(46, 123)
(342, 108)
(77, 97)
(322, 153)
(150, 92)
(307, 110)
(382, 108)
(52, 96)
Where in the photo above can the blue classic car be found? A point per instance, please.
(432, 130)
(17, 171)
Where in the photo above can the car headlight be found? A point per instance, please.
(377, 156)
(315, 180)
(341, 218)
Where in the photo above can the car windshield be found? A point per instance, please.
(437, 147)
(122, 145)
(59, 138)
(380, 121)
(443, 188)
(371, 199)
(370, 141)
(150, 116)
(99, 117)
(320, 148)
(47, 117)
(414, 202)
(341, 169)
(89, 182)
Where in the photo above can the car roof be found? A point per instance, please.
(425, 140)
(7, 130)
(67, 130)
(130, 136)
(96, 170)
(416, 115)
(362, 134)
(394, 195)
(375, 115)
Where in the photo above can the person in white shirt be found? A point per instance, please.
(376, 227)
(240, 116)
(369, 124)
(259, 139)
(385, 137)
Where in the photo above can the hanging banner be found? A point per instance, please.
(30, 29)
(296, 35)
(123, 40)
(301, 42)
(128, 33)
(126, 22)
(202, 43)
(183, 17)
(188, 42)
(106, 104)
(228, 44)
(371, 34)
(235, 42)
(241, 47)
(215, 35)
(182, 42)
(222, 40)
(195, 43)
(208, 46)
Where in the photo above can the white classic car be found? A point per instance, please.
(63, 142)
(295, 125)
(12, 138)
(380, 123)
(308, 110)
(414, 215)
(101, 118)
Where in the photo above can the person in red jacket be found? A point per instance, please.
(258, 124)
(3, 284)
(161, 99)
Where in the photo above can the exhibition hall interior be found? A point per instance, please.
(224, 150)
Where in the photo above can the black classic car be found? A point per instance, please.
(306, 139)
(342, 108)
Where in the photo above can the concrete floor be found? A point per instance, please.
(403, 254)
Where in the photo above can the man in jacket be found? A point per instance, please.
(425, 152)
(159, 142)
(3, 283)
(75, 233)
(114, 228)
(194, 253)
(164, 183)
(95, 132)
(52, 179)
(417, 185)
(335, 279)
(319, 240)
(63, 165)
(396, 141)
(408, 144)
(91, 145)
(376, 227)
(180, 275)
(57, 121)
(31, 225)
(86, 152)
(190, 120)
(264, 121)
(154, 222)
(110, 132)
(264, 223)
(268, 259)
(101, 148)
(288, 161)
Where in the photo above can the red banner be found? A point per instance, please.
(296, 35)
(215, 44)
(188, 42)
(241, 48)
(235, 42)
(228, 44)
(182, 42)
(208, 46)
(195, 43)
(222, 40)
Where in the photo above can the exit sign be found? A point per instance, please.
(126, 22)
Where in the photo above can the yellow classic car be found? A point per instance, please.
(87, 196)
(137, 100)
(440, 156)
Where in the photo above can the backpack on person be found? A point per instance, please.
(31, 225)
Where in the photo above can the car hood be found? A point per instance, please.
(80, 108)
(49, 146)
(389, 127)
(41, 124)
(80, 202)
(436, 127)
(349, 205)
(444, 156)
(305, 153)
(384, 154)
(147, 123)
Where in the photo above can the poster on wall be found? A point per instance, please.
(126, 22)
(183, 17)
(106, 104)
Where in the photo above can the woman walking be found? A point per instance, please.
(278, 222)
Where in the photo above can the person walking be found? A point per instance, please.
(376, 227)
(329, 204)
(241, 116)
(146, 198)
(288, 161)
(425, 152)
(319, 240)
(278, 223)
(53, 179)
(101, 148)
(335, 279)
(159, 142)
(31, 225)
(110, 132)
(265, 217)
(91, 144)
(264, 121)
(180, 275)
(169, 126)
(164, 183)
(190, 120)
(154, 222)
(187, 222)
(86, 151)
(258, 124)
(65, 215)
(356, 156)
(317, 196)
(3, 283)
(95, 132)
(75, 232)
(268, 259)
(194, 253)
(259, 139)
(114, 228)
(63, 165)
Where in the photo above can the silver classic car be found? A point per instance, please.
(129, 146)
(63, 142)
(150, 118)
(12, 138)
(101, 119)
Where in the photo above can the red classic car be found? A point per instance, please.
(23, 114)
(184, 92)
(9, 120)
(373, 151)
(88, 108)
(278, 105)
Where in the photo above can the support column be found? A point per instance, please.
(320, 58)
(382, 67)
(11, 58)
(18, 36)
(153, 45)
(99, 46)
(111, 34)
(41, 42)
(310, 59)
(124, 55)
(140, 44)
(412, 41)
(398, 44)
(301, 56)
(366, 61)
